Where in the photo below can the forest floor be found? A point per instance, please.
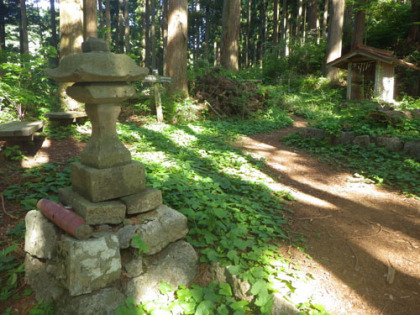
(358, 234)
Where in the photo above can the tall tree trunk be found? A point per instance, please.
(90, 19)
(299, 18)
(283, 26)
(146, 25)
(325, 18)
(276, 24)
(334, 40)
(101, 15)
(230, 34)
(198, 26)
(359, 24)
(263, 31)
(108, 21)
(248, 29)
(207, 35)
(347, 28)
(126, 27)
(23, 23)
(165, 33)
(71, 38)
(54, 36)
(414, 31)
(2, 27)
(177, 46)
(313, 18)
(120, 28)
(153, 32)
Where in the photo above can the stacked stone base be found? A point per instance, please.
(96, 275)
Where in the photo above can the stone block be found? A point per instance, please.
(176, 265)
(125, 234)
(41, 235)
(103, 302)
(44, 284)
(362, 141)
(145, 201)
(412, 148)
(311, 132)
(160, 228)
(345, 137)
(283, 307)
(94, 213)
(132, 263)
(88, 265)
(108, 183)
(390, 143)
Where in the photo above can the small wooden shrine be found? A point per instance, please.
(370, 72)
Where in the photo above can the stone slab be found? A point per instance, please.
(66, 115)
(311, 132)
(160, 228)
(41, 235)
(176, 265)
(108, 183)
(345, 137)
(390, 143)
(102, 302)
(20, 128)
(145, 201)
(94, 213)
(362, 141)
(88, 265)
(44, 284)
(412, 148)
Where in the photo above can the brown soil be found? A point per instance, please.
(356, 232)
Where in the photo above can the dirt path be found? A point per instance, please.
(356, 233)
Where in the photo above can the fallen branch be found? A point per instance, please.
(4, 209)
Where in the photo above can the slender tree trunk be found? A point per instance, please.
(54, 36)
(299, 18)
(276, 24)
(284, 20)
(2, 27)
(325, 18)
(126, 27)
(165, 34)
(359, 24)
(146, 24)
(207, 35)
(230, 34)
(177, 46)
(198, 30)
(120, 28)
(248, 29)
(101, 15)
(334, 40)
(313, 18)
(153, 33)
(24, 41)
(347, 28)
(108, 21)
(90, 17)
(263, 31)
(414, 31)
(303, 25)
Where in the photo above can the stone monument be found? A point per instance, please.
(109, 192)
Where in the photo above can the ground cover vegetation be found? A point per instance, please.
(234, 218)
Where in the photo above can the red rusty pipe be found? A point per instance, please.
(66, 219)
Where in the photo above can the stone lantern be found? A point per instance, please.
(95, 275)
(105, 171)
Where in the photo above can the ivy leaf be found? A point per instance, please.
(225, 289)
(205, 308)
(165, 287)
(137, 242)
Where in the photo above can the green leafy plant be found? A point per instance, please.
(138, 243)
(11, 269)
(14, 153)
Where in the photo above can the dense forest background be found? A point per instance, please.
(269, 40)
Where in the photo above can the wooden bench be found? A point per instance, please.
(67, 117)
(20, 130)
